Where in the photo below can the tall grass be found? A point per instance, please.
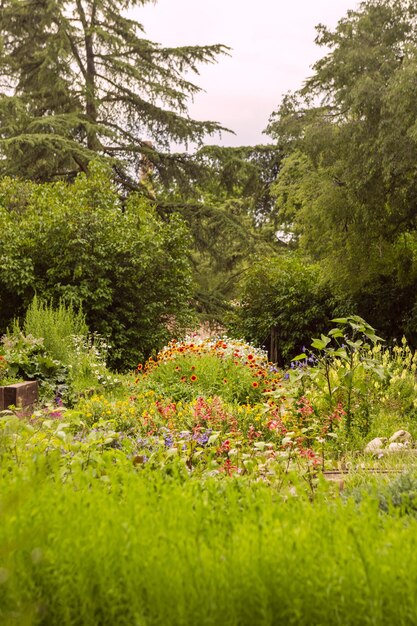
(142, 549)
(66, 339)
(57, 325)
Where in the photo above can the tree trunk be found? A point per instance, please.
(273, 345)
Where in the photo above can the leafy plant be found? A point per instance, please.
(55, 348)
(341, 362)
(283, 302)
(57, 325)
(77, 244)
(233, 370)
(28, 359)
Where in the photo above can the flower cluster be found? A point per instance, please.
(232, 369)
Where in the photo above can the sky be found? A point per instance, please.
(272, 53)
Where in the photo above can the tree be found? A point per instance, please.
(79, 81)
(348, 185)
(128, 269)
(283, 304)
(228, 213)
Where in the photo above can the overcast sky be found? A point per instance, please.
(272, 53)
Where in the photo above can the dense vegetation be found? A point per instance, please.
(127, 499)
(163, 477)
(347, 185)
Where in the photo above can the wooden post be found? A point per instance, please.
(273, 346)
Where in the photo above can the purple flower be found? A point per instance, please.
(202, 438)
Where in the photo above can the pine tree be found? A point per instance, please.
(80, 81)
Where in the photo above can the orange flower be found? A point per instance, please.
(225, 381)
(140, 367)
(183, 379)
(255, 384)
(193, 378)
(250, 357)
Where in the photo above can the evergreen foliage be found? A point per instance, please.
(228, 211)
(80, 80)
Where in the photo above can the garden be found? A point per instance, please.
(262, 472)
(208, 485)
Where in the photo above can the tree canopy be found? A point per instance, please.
(348, 187)
(79, 80)
(228, 212)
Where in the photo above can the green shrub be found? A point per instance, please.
(230, 369)
(283, 303)
(28, 359)
(57, 325)
(54, 347)
(79, 244)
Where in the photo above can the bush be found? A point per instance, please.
(54, 347)
(56, 325)
(78, 244)
(282, 298)
(233, 370)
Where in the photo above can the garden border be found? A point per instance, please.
(23, 395)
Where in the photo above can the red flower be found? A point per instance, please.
(193, 378)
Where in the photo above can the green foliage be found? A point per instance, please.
(227, 211)
(283, 302)
(76, 244)
(246, 173)
(232, 370)
(80, 81)
(146, 548)
(343, 365)
(54, 347)
(8, 374)
(347, 187)
(57, 326)
(28, 359)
